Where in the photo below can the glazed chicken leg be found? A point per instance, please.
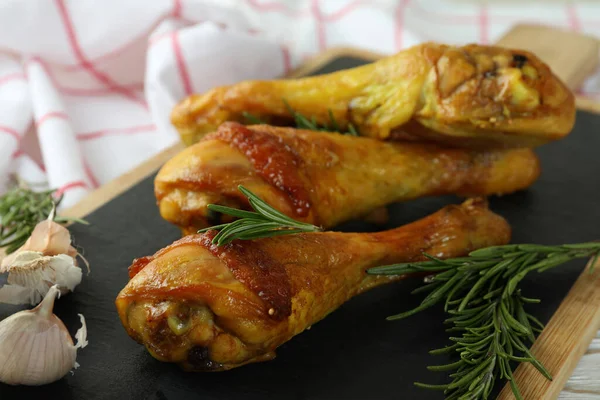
(474, 95)
(325, 178)
(212, 308)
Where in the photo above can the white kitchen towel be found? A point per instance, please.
(86, 87)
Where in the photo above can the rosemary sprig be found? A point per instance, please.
(264, 222)
(253, 119)
(486, 310)
(302, 122)
(20, 211)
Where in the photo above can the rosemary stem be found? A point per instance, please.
(487, 310)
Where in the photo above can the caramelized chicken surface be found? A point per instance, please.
(212, 308)
(480, 96)
(325, 178)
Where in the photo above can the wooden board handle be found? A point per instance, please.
(562, 343)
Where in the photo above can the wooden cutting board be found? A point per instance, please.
(570, 330)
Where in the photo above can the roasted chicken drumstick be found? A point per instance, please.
(474, 95)
(325, 178)
(212, 308)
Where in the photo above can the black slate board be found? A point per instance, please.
(352, 354)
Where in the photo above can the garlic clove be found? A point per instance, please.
(49, 238)
(14, 294)
(35, 346)
(31, 275)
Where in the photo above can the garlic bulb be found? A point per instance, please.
(31, 274)
(35, 346)
(46, 259)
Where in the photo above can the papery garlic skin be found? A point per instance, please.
(35, 346)
(49, 238)
(31, 274)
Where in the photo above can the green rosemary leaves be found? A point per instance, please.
(302, 122)
(265, 221)
(489, 324)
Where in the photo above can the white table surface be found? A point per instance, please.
(584, 384)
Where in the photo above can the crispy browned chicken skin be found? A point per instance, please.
(325, 178)
(216, 308)
(465, 96)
